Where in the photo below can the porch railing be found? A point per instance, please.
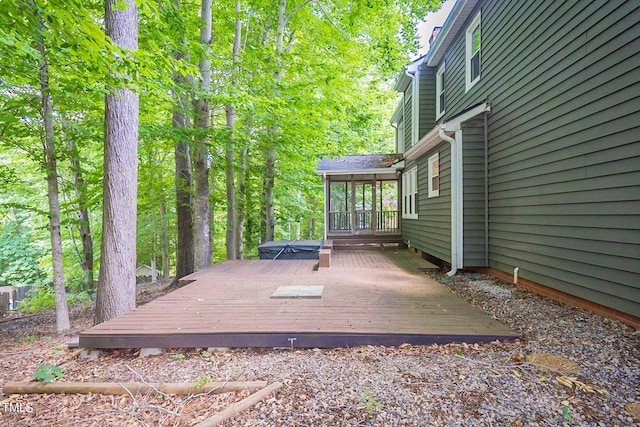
(386, 221)
(340, 222)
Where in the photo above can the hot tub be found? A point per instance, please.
(290, 249)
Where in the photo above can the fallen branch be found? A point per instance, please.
(238, 407)
(128, 388)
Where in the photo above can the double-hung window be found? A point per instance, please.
(434, 175)
(440, 98)
(410, 194)
(473, 51)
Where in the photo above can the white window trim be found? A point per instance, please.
(469, 45)
(410, 193)
(435, 158)
(439, 90)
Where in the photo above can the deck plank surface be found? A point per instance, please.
(377, 297)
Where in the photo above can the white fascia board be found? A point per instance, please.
(455, 123)
(403, 82)
(406, 77)
(379, 171)
(397, 115)
(425, 144)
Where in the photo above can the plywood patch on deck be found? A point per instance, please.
(298, 291)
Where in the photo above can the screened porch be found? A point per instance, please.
(361, 195)
(362, 207)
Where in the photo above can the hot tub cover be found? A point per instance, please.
(290, 249)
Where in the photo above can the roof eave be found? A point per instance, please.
(371, 171)
(450, 29)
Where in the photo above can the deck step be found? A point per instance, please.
(367, 242)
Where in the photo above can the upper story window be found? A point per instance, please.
(473, 51)
(410, 194)
(434, 175)
(440, 98)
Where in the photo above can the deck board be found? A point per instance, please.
(370, 297)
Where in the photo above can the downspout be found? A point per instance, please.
(486, 191)
(456, 197)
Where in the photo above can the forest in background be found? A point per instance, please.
(232, 122)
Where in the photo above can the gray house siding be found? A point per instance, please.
(473, 193)
(564, 153)
(427, 89)
(563, 81)
(408, 117)
(431, 232)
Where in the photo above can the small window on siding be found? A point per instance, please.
(440, 98)
(410, 194)
(473, 48)
(434, 175)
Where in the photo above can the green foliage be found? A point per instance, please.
(48, 373)
(19, 258)
(332, 51)
(370, 402)
(43, 298)
(202, 380)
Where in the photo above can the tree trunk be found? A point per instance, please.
(154, 268)
(201, 155)
(184, 178)
(62, 312)
(271, 154)
(231, 243)
(184, 188)
(269, 183)
(241, 202)
(232, 223)
(117, 278)
(79, 187)
(154, 251)
(164, 233)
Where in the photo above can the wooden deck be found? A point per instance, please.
(369, 297)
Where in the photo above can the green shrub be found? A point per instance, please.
(44, 298)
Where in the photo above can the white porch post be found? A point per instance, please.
(326, 204)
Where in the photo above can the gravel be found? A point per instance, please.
(570, 368)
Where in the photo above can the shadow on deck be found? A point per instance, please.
(365, 298)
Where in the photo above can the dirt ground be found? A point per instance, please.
(589, 375)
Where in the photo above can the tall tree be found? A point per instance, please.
(184, 175)
(82, 209)
(201, 162)
(117, 279)
(62, 312)
(272, 148)
(232, 221)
